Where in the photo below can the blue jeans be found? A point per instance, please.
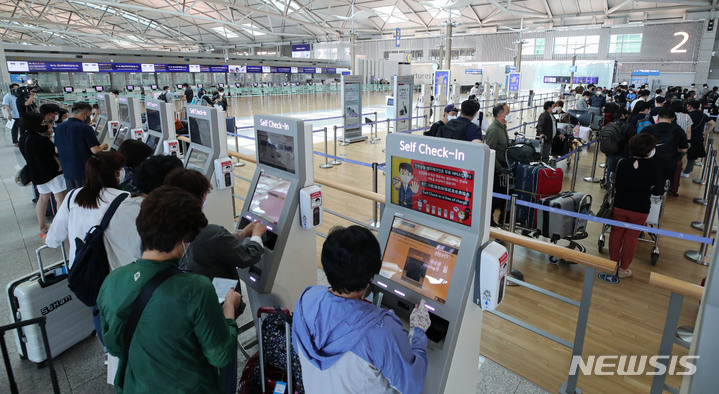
(611, 166)
(96, 322)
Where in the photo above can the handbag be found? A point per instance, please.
(22, 177)
(696, 151)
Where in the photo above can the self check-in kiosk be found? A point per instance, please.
(432, 234)
(106, 123)
(207, 154)
(128, 114)
(160, 127)
(283, 177)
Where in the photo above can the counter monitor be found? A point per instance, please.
(124, 112)
(68, 89)
(153, 87)
(220, 85)
(99, 88)
(130, 88)
(276, 150)
(153, 120)
(197, 160)
(200, 131)
(420, 258)
(237, 84)
(269, 197)
(200, 86)
(179, 86)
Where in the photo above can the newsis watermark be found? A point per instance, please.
(624, 365)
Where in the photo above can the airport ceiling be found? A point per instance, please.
(197, 25)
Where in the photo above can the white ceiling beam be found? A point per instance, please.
(617, 7)
(508, 10)
(549, 10)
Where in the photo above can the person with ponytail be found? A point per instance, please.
(84, 207)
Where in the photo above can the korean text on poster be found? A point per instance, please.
(434, 189)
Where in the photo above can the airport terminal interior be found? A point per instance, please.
(496, 151)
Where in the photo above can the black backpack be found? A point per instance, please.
(90, 266)
(454, 130)
(666, 150)
(433, 131)
(163, 97)
(610, 139)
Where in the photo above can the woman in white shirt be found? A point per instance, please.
(683, 119)
(84, 207)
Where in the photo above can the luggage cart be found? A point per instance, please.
(654, 220)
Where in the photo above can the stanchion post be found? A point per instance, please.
(707, 188)
(709, 149)
(334, 160)
(516, 274)
(388, 125)
(699, 256)
(592, 178)
(574, 170)
(701, 226)
(327, 163)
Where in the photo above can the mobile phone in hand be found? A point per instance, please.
(238, 289)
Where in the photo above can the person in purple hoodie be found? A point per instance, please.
(346, 344)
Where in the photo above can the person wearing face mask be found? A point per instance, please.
(85, 206)
(597, 100)
(582, 101)
(497, 139)
(638, 182)
(450, 112)
(50, 113)
(216, 252)
(672, 142)
(76, 142)
(184, 337)
(221, 99)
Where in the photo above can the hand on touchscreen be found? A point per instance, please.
(232, 303)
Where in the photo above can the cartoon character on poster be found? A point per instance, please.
(406, 184)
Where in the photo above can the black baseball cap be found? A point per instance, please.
(451, 108)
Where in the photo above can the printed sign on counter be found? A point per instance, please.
(434, 189)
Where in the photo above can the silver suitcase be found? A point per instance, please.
(557, 226)
(45, 293)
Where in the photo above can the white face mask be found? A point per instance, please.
(222, 93)
(555, 110)
(508, 118)
(450, 117)
(121, 175)
(204, 205)
(651, 154)
(57, 117)
(405, 178)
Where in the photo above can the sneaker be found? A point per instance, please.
(627, 273)
(684, 175)
(107, 359)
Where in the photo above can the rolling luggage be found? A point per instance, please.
(557, 226)
(273, 364)
(45, 293)
(532, 183)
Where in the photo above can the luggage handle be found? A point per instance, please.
(275, 310)
(39, 259)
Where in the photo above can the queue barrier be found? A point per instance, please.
(679, 289)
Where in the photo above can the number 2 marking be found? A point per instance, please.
(684, 41)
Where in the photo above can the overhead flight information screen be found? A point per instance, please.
(200, 131)
(269, 197)
(420, 258)
(276, 150)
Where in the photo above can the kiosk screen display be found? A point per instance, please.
(197, 160)
(120, 137)
(100, 126)
(200, 131)
(276, 150)
(152, 141)
(269, 197)
(101, 106)
(124, 113)
(420, 258)
(153, 120)
(437, 190)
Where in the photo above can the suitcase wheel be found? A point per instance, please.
(654, 258)
(553, 260)
(600, 246)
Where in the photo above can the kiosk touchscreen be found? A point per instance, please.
(208, 146)
(284, 167)
(435, 222)
(160, 124)
(128, 114)
(107, 112)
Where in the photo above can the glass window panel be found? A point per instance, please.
(592, 40)
(594, 48)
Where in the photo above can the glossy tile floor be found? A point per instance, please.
(81, 369)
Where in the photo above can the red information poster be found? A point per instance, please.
(434, 189)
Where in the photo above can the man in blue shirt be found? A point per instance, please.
(76, 142)
(462, 128)
(9, 101)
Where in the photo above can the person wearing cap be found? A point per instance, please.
(450, 112)
(50, 113)
(462, 128)
(76, 142)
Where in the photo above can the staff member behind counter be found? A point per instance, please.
(216, 252)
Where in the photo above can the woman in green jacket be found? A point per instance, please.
(184, 337)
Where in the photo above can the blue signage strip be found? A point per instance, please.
(398, 35)
(645, 72)
(309, 70)
(473, 71)
(301, 48)
(330, 71)
(514, 82)
(285, 70)
(254, 69)
(159, 68)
